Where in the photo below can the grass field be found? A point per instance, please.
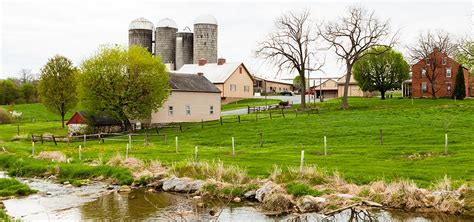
(413, 145)
(249, 102)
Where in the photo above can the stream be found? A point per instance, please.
(56, 202)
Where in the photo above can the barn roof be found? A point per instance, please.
(191, 83)
(214, 72)
(96, 120)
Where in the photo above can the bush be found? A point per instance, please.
(5, 117)
(299, 189)
(13, 187)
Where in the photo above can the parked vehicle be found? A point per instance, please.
(309, 92)
(286, 93)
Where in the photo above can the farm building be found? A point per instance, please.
(271, 85)
(82, 122)
(353, 90)
(328, 88)
(192, 98)
(232, 79)
(445, 75)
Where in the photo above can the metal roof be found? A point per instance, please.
(206, 19)
(141, 23)
(167, 23)
(212, 71)
(191, 83)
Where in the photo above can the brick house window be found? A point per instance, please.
(445, 61)
(427, 60)
(170, 110)
(449, 88)
(188, 110)
(448, 72)
(233, 87)
(424, 87)
(246, 89)
(423, 72)
(211, 110)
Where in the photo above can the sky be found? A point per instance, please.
(34, 30)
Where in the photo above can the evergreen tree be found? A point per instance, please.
(460, 86)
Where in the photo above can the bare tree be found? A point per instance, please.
(351, 35)
(26, 76)
(291, 45)
(429, 47)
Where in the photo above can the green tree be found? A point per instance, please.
(464, 54)
(9, 92)
(381, 72)
(127, 84)
(57, 85)
(460, 85)
(297, 83)
(28, 92)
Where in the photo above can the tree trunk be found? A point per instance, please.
(433, 90)
(382, 94)
(128, 125)
(62, 120)
(345, 103)
(303, 90)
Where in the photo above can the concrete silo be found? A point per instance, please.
(184, 48)
(205, 39)
(140, 32)
(165, 41)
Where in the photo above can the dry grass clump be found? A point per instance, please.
(444, 184)
(55, 156)
(310, 175)
(138, 167)
(404, 194)
(277, 202)
(210, 170)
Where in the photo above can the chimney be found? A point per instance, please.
(202, 61)
(220, 61)
(200, 74)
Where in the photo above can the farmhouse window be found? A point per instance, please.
(423, 72)
(423, 87)
(233, 87)
(448, 72)
(170, 110)
(188, 110)
(211, 110)
(246, 88)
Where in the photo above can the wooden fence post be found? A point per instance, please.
(270, 114)
(33, 148)
(18, 130)
(296, 112)
(80, 153)
(85, 140)
(130, 140)
(126, 152)
(221, 120)
(248, 109)
(233, 146)
(146, 137)
(238, 118)
(202, 124)
(157, 132)
(261, 139)
(176, 140)
(446, 144)
(196, 154)
(325, 147)
(283, 113)
(54, 140)
(180, 128)
(41, 137)
(302, 161)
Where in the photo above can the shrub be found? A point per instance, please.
(5, 117)
(13, 187)
(298, 189)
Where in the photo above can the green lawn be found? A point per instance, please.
(413, 143)
(249, 102)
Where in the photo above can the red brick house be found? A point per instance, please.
(444, 76)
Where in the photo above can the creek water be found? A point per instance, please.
(56, 202)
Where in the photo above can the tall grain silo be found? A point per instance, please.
(205, 38)
(184, 48)
(140, 32)
(165, 41)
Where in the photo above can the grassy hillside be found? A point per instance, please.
(413, 143)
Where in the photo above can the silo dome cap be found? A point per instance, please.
(141, 23)
(205, 19)
(167, 22)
